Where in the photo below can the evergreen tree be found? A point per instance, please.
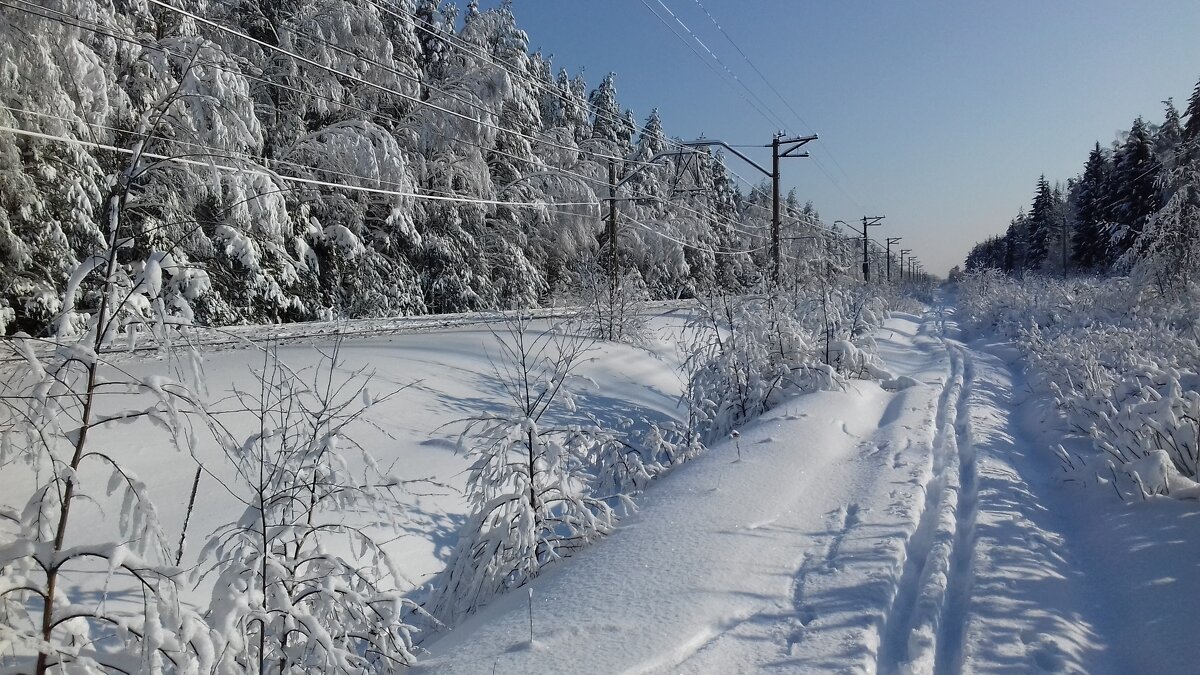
(1135, 195)
(435, 29)
(1191, 130)
(1039, 226)
(1168, 139)
(1014, 246)
(607, 123)
(1090, 197)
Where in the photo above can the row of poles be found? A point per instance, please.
(782, 147)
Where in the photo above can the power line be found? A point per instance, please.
(786, 103)
(702, 59)
(74, 21)
(716, 58)
(273, 175)
(360, 80)
(226, 153)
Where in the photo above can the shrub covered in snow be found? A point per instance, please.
(747, 353)
(533, 485)
(1121, 360)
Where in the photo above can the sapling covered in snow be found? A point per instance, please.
(60, 391)
(613, 300)
(532, 486)
(302, 582)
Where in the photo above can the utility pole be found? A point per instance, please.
(793, 145)
(868, 221)
(903, 252)
(614, 280)
(890, 241)
(781, 148)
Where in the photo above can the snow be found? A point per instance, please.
(921, 524)
(916, 529)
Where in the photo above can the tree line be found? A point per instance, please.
(342, 158)
(1135, 208)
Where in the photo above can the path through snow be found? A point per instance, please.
(914, 531)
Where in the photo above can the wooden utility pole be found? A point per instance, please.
(615, 272)
(868, 221)
(890, 241)
(781, 147)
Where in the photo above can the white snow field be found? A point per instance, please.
(913, 528)
(866, 530)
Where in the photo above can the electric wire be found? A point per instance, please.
(292, 179)
(730, 224)
(779, 95)
(697, 54)
(386, 90)
(79, 23)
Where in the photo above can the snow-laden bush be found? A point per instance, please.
(534, 486)
(613, 307)
(1129, 389)
(1122, 362)
(747, 353)
(897, 298)
(302, 582)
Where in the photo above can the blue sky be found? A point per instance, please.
(940, 115)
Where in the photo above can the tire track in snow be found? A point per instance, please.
(920, 630)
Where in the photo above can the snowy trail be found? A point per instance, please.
(863, 530)
(788, 560)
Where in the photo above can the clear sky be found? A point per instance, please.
(940, 115)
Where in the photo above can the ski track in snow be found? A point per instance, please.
(917, 531)
(863, 531)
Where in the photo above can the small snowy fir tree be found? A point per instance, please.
(529, 487)
(302, 582)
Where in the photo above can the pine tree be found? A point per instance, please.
(1135, 195)
(1014, 246)
(1191, 130)
(607, 123)
(1168, 139)
(1039, 226)
(434, 41)
(51, 192)
(1090, 197)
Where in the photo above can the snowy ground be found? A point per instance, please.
(861, 530)
(868, 531)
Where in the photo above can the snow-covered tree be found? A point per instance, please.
(62, 394)
(298, 585)
(1039, 224)
(1090, 251)
(531, 494)
(1134, 195)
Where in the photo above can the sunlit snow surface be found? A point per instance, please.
(867, 530)
(913, 528)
